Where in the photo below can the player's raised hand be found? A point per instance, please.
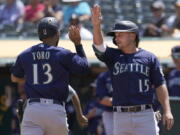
(74, 34)
(168, 120)
(96, 16)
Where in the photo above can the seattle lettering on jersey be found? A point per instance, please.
(40, 55)
(130, 67)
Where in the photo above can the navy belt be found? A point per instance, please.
(136, 108)
(47, 101)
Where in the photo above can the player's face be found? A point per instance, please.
(124, 39)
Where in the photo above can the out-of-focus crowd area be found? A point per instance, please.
(18, 19)
(155, 18)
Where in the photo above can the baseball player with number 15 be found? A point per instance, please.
(133, 72)
(45, 68)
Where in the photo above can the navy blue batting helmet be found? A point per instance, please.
(47, 27)
(124, 26)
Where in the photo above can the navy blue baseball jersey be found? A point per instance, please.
(104, 88)
(132, 75)
(174, 83)
(46, 70)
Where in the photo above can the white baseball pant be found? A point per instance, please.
(135, 123)
(107, 118)
(44, 119)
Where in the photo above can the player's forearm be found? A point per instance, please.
(163, 97)
(107, 101)
(77, 105)
(97, 35)
(80, 50)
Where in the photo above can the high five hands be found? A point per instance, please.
(96, 17)
(74, 34)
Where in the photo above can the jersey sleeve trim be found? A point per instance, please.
(100, 48)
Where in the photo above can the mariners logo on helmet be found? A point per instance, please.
(47, 27)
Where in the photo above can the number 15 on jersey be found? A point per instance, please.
(143, 85)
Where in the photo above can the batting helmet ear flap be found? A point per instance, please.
(114, 40)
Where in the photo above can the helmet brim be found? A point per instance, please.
(112, 33)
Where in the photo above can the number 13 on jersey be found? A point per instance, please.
(46, 70)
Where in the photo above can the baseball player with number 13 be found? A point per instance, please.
(133, 72)
(45, 68)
